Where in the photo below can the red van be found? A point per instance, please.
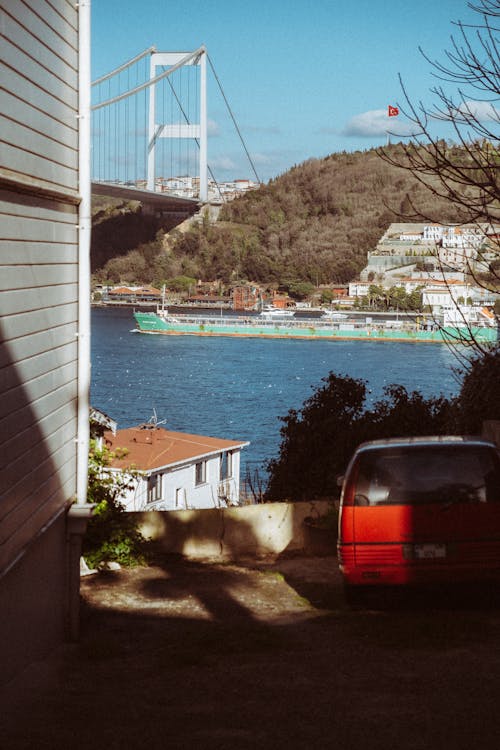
(419, 510)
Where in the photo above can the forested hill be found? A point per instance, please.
(314, 223)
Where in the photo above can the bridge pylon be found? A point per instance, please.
(198, 131)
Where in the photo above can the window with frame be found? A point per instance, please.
(226, 465)
(155, 483)
(200, 472)
(180, 498)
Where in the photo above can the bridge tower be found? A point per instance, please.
(197, 131)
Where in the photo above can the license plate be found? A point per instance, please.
(429, 551)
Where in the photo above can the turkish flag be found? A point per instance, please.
(393, 111)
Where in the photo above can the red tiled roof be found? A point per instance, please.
(154, 447)
(121, 290)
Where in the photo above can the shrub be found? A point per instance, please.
(479, 397)
(319, 440)
(112, 533)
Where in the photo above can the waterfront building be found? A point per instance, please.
(174, 470)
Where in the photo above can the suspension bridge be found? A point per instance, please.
(150, 132)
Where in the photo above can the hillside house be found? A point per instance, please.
(359, 288)
(246, 297)
(175, 470)
(133, 294)
(444, 294)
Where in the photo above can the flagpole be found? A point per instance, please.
(391, 112)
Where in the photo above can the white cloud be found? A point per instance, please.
(213, 129)
(264, 159)
(482, 111)
(222, 162)
(374, 123)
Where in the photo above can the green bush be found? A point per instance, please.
(112, 533)
(318, 441)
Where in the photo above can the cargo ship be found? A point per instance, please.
(164, 323)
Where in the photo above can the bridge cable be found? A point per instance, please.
(128, 64)
(196, 140)
(233, 118)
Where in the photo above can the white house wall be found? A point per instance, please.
(38, 265)
(182, 478)
(39, 262)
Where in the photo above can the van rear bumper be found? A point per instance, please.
(407, 572)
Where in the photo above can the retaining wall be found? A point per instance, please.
(232, 533)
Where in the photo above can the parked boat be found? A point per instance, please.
(276, 313)
(333, 315)
(163, 323)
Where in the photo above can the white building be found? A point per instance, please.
(45, 323)
(444, 294)
(174, 470)
(414, 236)
(358, 288)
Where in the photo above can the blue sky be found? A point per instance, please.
(304, 78)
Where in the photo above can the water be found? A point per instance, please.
(238, 388)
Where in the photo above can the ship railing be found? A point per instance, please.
(292, 323)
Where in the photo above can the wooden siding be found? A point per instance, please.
(39, 104)
(38, 266)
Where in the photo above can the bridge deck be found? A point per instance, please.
(165, 201)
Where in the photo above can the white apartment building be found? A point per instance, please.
(359, 288)
(441, 294)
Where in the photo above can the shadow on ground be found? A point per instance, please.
(184, 654)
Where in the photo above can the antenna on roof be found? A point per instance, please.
(154, 422)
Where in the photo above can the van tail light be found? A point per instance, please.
(349, 490)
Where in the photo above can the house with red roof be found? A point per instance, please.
(174, 470)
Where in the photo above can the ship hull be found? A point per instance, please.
(153, 323)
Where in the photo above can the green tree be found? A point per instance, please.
(398, 298)
(181, 284)
(326, 296)
(300, 290)
(479, 397)
(376, 296)
(415, 299)
(112, 534)
(318, 441)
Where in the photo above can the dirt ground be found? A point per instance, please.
(215, 656)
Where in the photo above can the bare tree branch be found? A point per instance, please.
(465, 170)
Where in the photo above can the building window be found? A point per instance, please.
(226, 465)
(200, 472)
(180, 498)
(155, 482)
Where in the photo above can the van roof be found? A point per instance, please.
(425, 440)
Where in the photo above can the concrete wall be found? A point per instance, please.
(233, 533)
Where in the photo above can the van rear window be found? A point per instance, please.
(413, 475)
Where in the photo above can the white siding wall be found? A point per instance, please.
(38, 266)
(183, 478)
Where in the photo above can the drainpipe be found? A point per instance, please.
(84, 228)
(80, 512)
